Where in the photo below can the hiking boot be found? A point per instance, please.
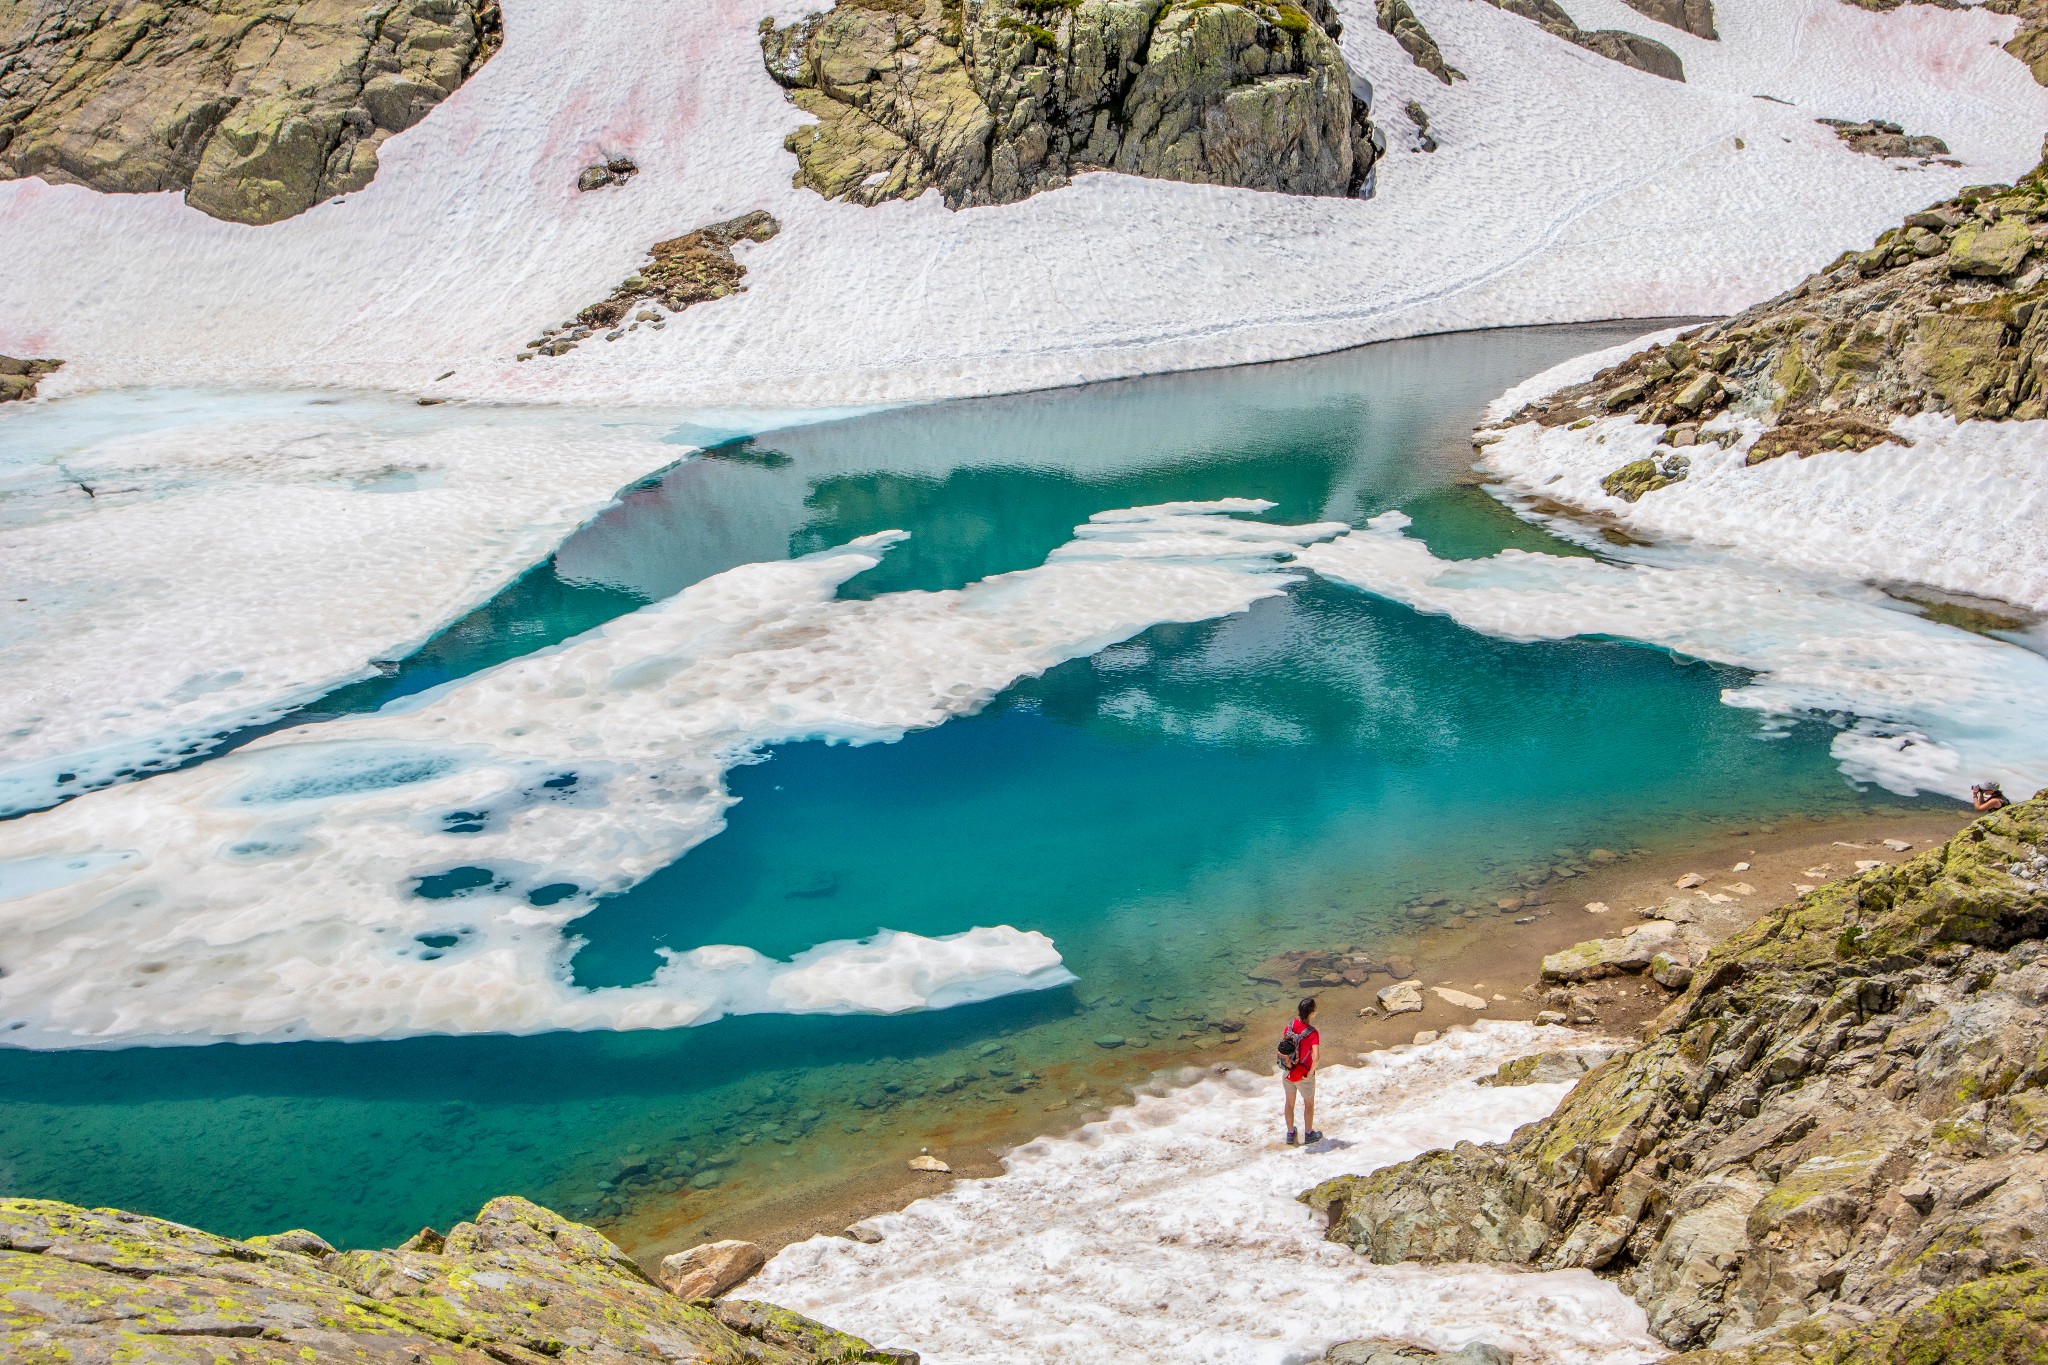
(1292, 1140)
(1313, 1135)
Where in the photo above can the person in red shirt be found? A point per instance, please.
(1301, 1075)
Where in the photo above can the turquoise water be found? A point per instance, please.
(1169, 811)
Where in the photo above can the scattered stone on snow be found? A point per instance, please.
(1419, 116)
(616, 171)
(993, 101)
(1397, 17)
(257, 109)
(696, 267)
(1876, 137)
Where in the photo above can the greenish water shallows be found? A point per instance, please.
(1169, 811)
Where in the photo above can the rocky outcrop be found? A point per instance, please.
(1840, 1128)
(1691, 16)
(1942, 314)
(1881, 138)
(696, 267)
(1384, 1351)
(257, 109)
(1397, 17)
(1618, 45)
(518, 1286)
(990, 101)
(18, 378)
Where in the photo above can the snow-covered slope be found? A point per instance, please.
(1567, 187)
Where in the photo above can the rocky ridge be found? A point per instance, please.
(1941, 314)
(257, 109)
(18, 377)
(696, 267)
(517, 1286)
(1618, 45)
(1833, 1146)
(990, 101)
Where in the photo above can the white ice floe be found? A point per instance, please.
(275, 892)
(179, 565)
(1935, 708)
(1170, 1231)
(1961, 507)
(1566, 187)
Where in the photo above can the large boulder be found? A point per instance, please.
(1602, 957)
(1692, 16)
(517, 1286)
(258, 109)
(705, 1272)
(994, 100)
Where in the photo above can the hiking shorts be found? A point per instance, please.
(1305, 1087)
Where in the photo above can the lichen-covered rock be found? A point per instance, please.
(1604, 957)
(257, 109)
(19, 377)
(705, 1272)
(1647, 475)
(1547, 1068)
(1397, 17)
(1844, 1116)
(1943, 314)
(989, 101)
(518, 1286)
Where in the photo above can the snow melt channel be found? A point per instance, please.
(1935, 708)
(1170, 1231)
(412, 871)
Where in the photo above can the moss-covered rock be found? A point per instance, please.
(989, 101)
(19, 377)
(518, 1286)
(1842, 1114)
(257, 109)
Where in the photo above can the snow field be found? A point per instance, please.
(1961, 507)
(1937, 708)
(1567, 187)
(1170, 1231)
(412, 871)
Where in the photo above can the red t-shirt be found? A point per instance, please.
(1305, 1050)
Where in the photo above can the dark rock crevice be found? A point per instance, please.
(990, 101)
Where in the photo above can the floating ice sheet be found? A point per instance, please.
(412, 871)
(181, 565)
(1170, 1231)
(1937, 708)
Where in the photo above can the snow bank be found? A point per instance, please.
(1960, 507)
(238, 556)
(1170, 1231)
(1936, 708)
(1567, 187)
(412, 871)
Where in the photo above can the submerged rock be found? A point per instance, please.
(257, 109)
(1844, 1118)
(990, 101)
(519, 1284)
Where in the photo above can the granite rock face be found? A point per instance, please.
(1690, 16)
(1397, 18)
(257, 109)
(1841, 1125)
(518, 1286)
(990, 101)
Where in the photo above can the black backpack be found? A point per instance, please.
(1289, 1049)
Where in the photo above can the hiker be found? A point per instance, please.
(1298, 1048)
(1988, 797)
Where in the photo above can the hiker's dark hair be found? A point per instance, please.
(1305, 1008)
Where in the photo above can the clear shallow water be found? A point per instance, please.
(1169, 811)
